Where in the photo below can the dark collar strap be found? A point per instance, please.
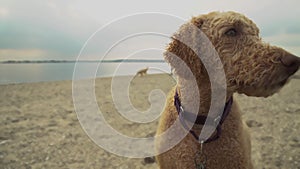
(201, 119)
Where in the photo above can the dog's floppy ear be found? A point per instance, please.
(181, 53)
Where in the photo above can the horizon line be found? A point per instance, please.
(91, 61)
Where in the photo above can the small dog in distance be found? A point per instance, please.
(142, 72)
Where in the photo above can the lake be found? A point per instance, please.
(41, 72)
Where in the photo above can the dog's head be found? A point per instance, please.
(251, 66)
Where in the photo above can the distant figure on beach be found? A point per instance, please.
(142, 72)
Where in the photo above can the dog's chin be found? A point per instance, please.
(258, 93)
(264, 91)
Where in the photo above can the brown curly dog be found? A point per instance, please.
(251, 66)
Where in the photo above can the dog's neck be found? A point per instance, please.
(189, 97)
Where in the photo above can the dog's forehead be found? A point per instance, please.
(232, 19)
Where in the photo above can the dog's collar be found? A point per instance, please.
(201, 119)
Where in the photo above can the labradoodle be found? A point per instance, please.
(251, 66)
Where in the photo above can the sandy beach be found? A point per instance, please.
(39, 127)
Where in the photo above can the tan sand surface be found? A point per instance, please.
(39, 127)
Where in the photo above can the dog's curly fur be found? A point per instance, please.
(252, 67)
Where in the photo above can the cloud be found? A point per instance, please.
(3, 12)
(290, 42)
(20, 35)
(17, 54)
(57, 30)
(60, 28)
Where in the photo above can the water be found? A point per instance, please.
(41, 72)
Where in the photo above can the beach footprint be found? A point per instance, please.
(253, 123)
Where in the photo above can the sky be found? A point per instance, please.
(55, 29)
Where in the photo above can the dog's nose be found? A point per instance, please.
(290, 61)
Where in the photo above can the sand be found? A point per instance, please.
(39, 127)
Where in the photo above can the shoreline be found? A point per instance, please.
(68, 80)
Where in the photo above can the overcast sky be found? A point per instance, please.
(57, 29)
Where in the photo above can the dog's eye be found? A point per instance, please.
(231, 32)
